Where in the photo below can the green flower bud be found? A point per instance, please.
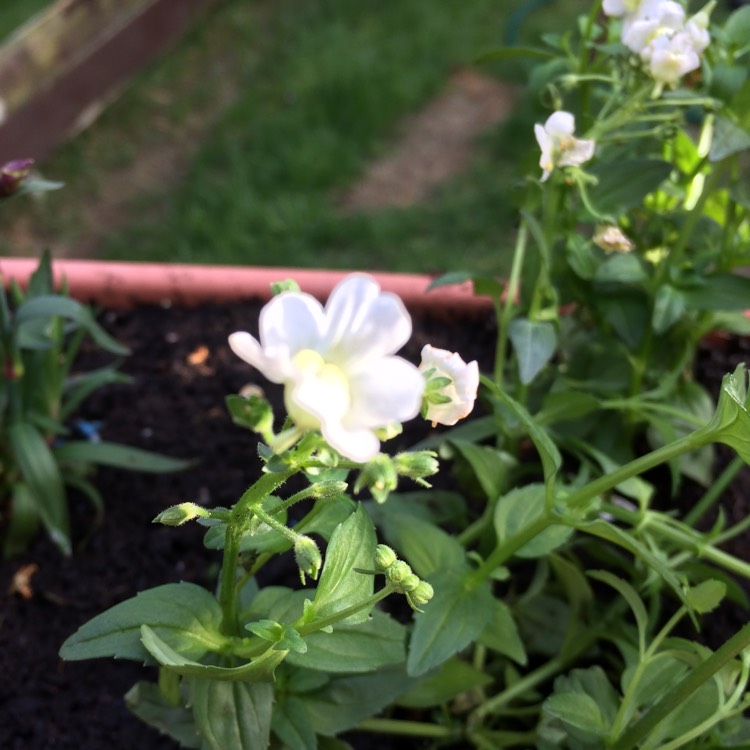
(252, 412)
(417, 464)
(379, 476)
(307, 556)
(327, 488)
(176, 515)
(384, 557)
(421, 594)
(409, 583)
(389, 432)
(397, 572)
(287, 285)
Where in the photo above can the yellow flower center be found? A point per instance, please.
(331, 384)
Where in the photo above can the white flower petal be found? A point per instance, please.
(578, 152)
(386, 391)
(292, 321)
(357, 444)
(560, 123)
(363, 322)
(246, 347)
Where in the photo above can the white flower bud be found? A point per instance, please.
(456, 386)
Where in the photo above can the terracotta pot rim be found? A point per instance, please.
(123, 284)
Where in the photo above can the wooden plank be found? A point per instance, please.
(61, 69)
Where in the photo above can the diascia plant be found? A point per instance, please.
(558, 597)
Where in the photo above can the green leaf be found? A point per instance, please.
(454, 618)
(548, 453)
(483, 284)
(344, 701)
(53, 305)
(519, 509)
(731, 422)
(669, 306)
(501, 634)
(624, 184)
(534, 344)
(119, 456)
(621, 269)
(490, 466)
(728, 139)
(627, 311)
(562, 406)
(187, 616)
(146, 701)
(23, 523)
(577, 711)
(292, 725)
(454, 677)
(658, 675)
(260, 669)
(706, 596)
(361, 647)
(718, 291)
(737, 28)
(423, 545)
(352, 546)
(634, 601)
(234, 715)
(43, 479)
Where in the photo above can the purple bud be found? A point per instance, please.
(12, 174)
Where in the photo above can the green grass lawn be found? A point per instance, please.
(320, 87)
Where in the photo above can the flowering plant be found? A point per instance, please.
(555, 598)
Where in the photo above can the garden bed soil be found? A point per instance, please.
(182, 369)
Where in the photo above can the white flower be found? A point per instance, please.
(620, 7)
(669, 59)
(336, 362)
(559, 147)
(455, 400)
(653, 20)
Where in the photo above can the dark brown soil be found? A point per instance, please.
(182, 370)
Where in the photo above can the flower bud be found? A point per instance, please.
(421, 594)
(384, 557)
(451, 386)
(252, 412)
(397, 572)
(176, 515)
(389, 432)
(307, 556)
(379, 476)
(409, 583)
(13, 174)
(288, 285)
(416, 464)
(612, 239)
(328, 488)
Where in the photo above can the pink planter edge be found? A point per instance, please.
(125, 284)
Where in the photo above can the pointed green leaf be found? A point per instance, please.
(291, 723)
(501, 634)
(454, 677)
(352, 546)
(187, 616)
(232, 715)
(43, 479)
(119, 456)
(260, 669)
(453, 619)
(624, 184)
(576, 710)
(146, 701)
(361, 647)
(534, 344)
(521, 508)
(634, 601)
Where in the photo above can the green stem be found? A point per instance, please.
(407, 728)
(714, 492)
(684, 689)
(507, 549)
(638, 466)
(240, 516)
(332, 619)
(511, 293)
(685, 538)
